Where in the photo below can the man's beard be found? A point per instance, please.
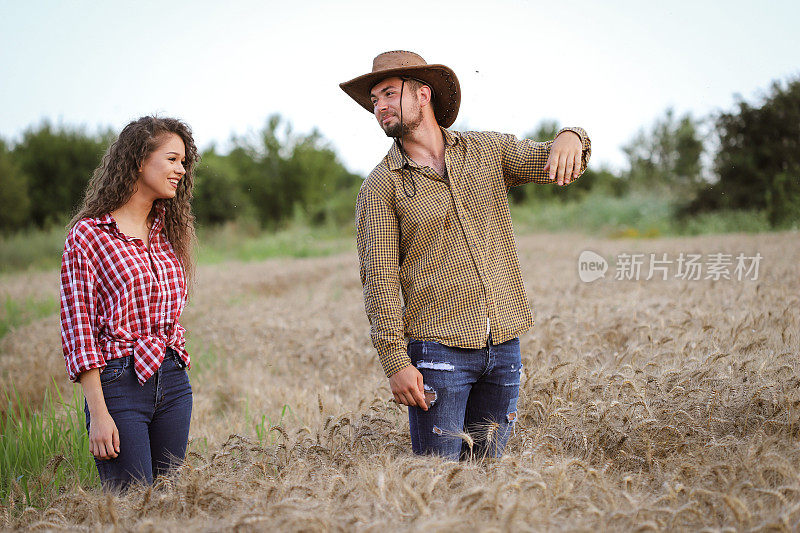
(408, 125)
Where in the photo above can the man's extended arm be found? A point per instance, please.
(562, 160)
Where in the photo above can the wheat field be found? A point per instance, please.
(645, 405)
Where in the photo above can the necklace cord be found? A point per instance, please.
(403, 152)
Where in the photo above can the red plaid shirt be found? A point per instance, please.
(118, 299)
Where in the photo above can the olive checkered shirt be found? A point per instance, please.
(450, 247)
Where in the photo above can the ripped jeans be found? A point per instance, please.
(475, 404)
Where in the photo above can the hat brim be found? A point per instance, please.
(443, 81)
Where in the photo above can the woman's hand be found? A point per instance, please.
(103, 433)
(103, 436)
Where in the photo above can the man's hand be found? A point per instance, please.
(408, 387)
(564, 163)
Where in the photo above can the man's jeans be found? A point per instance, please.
(152, 420)
(475, 405)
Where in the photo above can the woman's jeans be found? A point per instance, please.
(152, 420)
(475, 404)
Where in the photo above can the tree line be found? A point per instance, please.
(277, 175)
(266, 178)
(748, 159)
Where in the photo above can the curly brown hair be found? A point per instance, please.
(114, 181)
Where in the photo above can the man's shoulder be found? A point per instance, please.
(480, 139)
(380, 181)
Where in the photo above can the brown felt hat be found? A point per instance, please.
(443, 81)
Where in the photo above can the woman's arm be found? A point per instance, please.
(79, 309)
(78, 336)
(103, 433)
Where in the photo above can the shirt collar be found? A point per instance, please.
(106, 220)
(158, 221)
(395, 158)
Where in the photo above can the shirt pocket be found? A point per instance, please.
(427, 211)
(479, 192)
(129, 286)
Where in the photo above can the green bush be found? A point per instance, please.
(57, 162)
(783, 201)
(14, 201)
(758, 160)
(218, 194)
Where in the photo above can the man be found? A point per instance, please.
(433, 221)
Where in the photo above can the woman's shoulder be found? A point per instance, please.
(85, 233)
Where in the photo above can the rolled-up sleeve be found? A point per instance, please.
(78, 313)
(378, 241)
(523, 160)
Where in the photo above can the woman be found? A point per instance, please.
(123, 287)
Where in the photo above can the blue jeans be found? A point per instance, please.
(475, 404)
(152, 420)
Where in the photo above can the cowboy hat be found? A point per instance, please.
(441, 79)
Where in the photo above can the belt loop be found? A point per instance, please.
(173, 353)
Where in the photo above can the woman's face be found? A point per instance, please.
(163, 169)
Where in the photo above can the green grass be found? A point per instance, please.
(43, 450)
(635, 215)
(242, 243)
(32, 250)
(266, 426)
(15, 313)
(204, 356)
(42, 249)
(724, 222)
(630, 217)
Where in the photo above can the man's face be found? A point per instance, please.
(385, 98)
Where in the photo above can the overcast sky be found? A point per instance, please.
(224, 67)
